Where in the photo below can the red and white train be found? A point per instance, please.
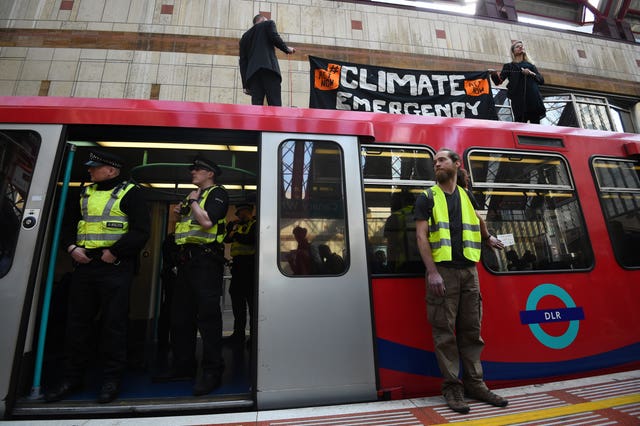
(560, 301)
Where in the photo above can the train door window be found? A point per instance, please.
(313, 234)
(393, 177)
(530, 202)
(18, 152)
(618, 183)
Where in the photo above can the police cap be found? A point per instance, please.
(206, 164)
(243, 206)
(103, 158)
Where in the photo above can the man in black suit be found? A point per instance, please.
(258, 63)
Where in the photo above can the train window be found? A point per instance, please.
(393, 177)
(18, 152)
(529, 200)
(312, 211)
(618, 183)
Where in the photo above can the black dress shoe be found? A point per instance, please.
(109, 392)
(206, 384)
(63, 390)
(175, 375)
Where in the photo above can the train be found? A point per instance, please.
(560, 301)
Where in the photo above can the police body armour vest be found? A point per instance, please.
(189, 231)
(439, 232)
(102, 223)
(239, 249)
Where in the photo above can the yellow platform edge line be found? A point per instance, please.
(548, 413)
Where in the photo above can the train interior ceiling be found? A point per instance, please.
(158, 160)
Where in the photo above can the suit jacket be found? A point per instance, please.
(257, 50)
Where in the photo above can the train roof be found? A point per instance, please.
(376, 126)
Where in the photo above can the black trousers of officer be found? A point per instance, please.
(196, 306)
(265, 83)
(98, 287)
(241, 291)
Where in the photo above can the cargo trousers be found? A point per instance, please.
(455, 320)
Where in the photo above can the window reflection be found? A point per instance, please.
(18, 152)
(394, 176)
(312, 209)
(530, 200)
(619, 190)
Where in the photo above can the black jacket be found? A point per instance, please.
(257, 50)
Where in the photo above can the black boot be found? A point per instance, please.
(63, 390)
(109, 391)
(207, 383)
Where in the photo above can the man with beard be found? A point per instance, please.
(449, 233)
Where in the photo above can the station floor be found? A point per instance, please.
(612, 399)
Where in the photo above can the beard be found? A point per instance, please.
(444, 175)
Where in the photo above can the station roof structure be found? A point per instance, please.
(617, 19)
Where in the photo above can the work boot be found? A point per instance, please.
(207, 383)
(109, 391)
(455, 399)
(63, 390)
(485, 395)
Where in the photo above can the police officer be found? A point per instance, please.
(449, 233)
(113, 227)
(199, 234)
(242, 236)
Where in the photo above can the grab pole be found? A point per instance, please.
(46, 303)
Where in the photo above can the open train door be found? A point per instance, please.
(28, 154)
(314, 321)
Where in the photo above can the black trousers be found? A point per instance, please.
(103, 288)
(265, 83)
(241, 291)
(196, 306)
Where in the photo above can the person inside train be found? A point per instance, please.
(199, 235)
(331, 263)
(523, 86)
(449, 232)
(241, 234)
(514, 262)
(399, 231)
(379, 264)
(112, 228)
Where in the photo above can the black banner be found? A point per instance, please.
(357, 87)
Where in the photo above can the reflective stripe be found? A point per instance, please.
(103, 237)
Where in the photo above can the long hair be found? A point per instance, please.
(525, 57)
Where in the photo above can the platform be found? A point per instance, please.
(612, 399)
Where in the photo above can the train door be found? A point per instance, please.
(27, 157)
(314, 322)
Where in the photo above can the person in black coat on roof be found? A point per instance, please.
(258, 62)
(523, 86)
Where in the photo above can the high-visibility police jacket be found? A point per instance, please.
(102, 223)
(189, 231)
(439, 232)
(398, 230)
(241, 249)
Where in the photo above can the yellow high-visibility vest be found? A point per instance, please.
(239, 249)
(439, 232)
(189, 231)
(102, 223)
